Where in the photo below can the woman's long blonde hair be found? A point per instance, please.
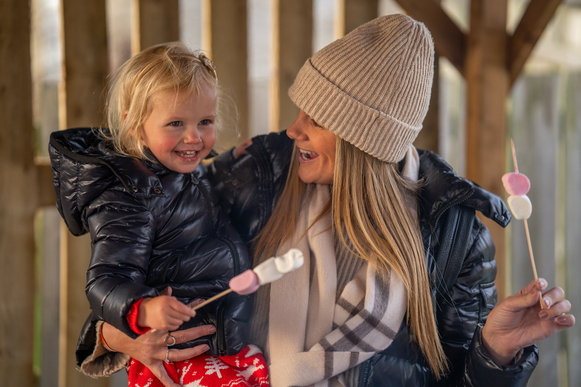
(377, 208)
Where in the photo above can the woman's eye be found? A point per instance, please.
(315, 123)
(175, 123)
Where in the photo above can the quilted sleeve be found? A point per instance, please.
(122, 231)
(461, 317)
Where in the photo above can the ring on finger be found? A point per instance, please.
(165, 340)
(167, 356)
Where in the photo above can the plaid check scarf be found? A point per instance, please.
(313, 339)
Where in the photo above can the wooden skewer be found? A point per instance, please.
(212, 299)
(513, 156)
(527, 227)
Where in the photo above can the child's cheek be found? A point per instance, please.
(211, 139)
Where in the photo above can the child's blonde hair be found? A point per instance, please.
(164, 67)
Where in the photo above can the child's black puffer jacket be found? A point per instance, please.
(150, 228)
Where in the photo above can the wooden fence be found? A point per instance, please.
(543, 118)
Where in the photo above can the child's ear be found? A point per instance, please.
(132, 131)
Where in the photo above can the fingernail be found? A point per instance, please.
(205, 348)
(212, 329)
(543, 283)
(544, 314)
(547, 302)
(562, 320)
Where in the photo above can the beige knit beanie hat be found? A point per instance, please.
(372, 87)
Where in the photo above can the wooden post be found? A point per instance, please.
(350, 14)
(292, 30)
(17, 196)
(224, 40)
(487, 83)
(154, 22)
(85, 67)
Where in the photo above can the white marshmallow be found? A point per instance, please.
(291, 261)
(267, 272)
(520, 206)
(273, 268)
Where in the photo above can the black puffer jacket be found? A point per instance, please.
(248, 188)
(150, 228)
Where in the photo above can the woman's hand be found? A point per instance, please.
(518, 321)
(150, 349)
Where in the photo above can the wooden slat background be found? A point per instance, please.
(543, 118)
(17, 196)
(569, 264)
(535, 131)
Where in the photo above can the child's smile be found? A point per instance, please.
(180, 130)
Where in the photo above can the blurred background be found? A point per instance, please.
(258, 46)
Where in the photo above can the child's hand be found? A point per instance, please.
(240, 150)
(163, 313)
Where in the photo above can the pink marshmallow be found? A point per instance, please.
(245, 283)
(516, 184)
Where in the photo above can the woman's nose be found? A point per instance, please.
(296, 130)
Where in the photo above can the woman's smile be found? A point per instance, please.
(316, 146)
(306, 156)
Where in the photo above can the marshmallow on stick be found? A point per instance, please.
(517, 185)
(268, 271)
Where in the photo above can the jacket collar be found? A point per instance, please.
(443, 189)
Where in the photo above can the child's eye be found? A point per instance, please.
(175, 123)
(205, 122)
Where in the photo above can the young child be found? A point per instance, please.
(138, 188)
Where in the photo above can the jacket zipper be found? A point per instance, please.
(220, 330)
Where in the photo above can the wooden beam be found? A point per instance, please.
(17, 197)
(350, 14)
(292, 31)
(526, 35)
(487, 84)
(224, 40)
(154, 22)
(449, 40)
(85, 67)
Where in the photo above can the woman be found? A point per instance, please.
(372, 216)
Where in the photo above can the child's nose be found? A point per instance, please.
(192, 137)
